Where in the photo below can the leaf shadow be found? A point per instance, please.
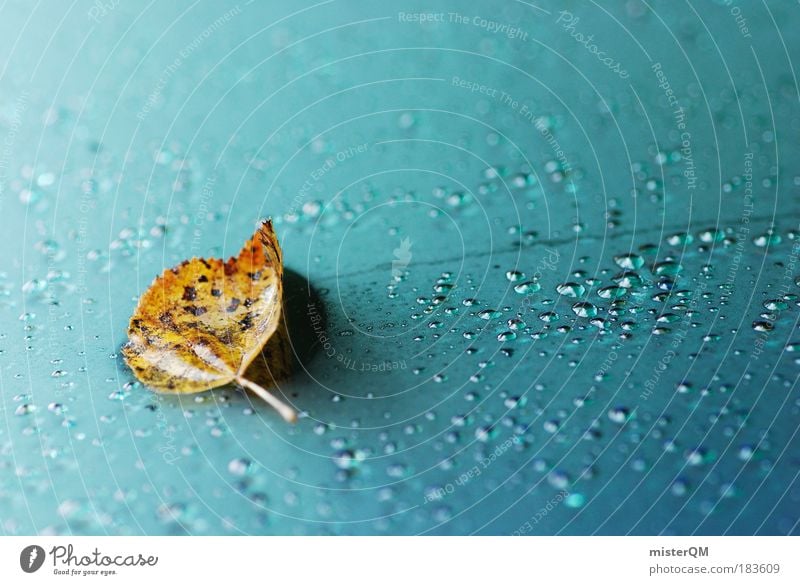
(296, 341)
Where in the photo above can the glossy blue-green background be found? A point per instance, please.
(409, 167)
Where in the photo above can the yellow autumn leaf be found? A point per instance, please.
(202, 323)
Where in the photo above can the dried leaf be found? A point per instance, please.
(202, 323)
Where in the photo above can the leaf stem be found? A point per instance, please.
(286, 411)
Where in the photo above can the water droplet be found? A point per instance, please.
(575, 500)
(619, 415)
(526, 288)
(667, 268)
(629, 261)
(612, 292)
(239, 466)
(697, 456)
(679, 239)
(711, 235)
(776, 305)
(584, 309)
(571, 289)
(24, 409)
(488, 314)
(767, 239)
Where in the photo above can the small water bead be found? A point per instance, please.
(583, 309)
(712, 235)
(33, 286)
(575, 500)
(668, 318)
(559, 479)
(346, 460)
(521, 180)
(551, 426)
(396, 470)
(763, 326)
(679, 488)
(571, 289)
(443, 288)
(406, 120)
(667, 268)
(665, 284)
(118, 395)
(29, 196)
(56, 408)
(488, 314)
(770, 238)
(239, 466)
(652, 184)
(628, 279)
(746, 452)
(548, 316)
(680, 239)
(506, 336)
(469, 302)
(25, 409)
(619, 415)
(494, 172)
(612, 292)
(526, 288)
(514, 275)
(629, 261)
(697, 456)
(485, 434)
(776, 305)
(458, 199)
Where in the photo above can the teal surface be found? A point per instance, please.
(543, 264)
